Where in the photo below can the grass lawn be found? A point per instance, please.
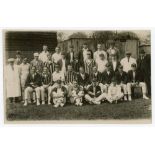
(137, 109)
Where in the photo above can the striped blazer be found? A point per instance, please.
(88, 65)
(70, 77)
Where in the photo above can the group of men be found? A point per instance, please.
(87, 76)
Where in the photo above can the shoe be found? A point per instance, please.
(145, 97)
(43, 102)
(62, 104)
(130, 99)
(55, 105)
(125, 98)
(25, 103)
(38, 103)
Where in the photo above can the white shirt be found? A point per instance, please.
(101, 65)
(56, 57)
(43, 56)
(97, 53)
(114, 63)
(58, 76)
(127, 64)
(85, 54)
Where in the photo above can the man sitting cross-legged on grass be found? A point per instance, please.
(114, 92)
(77, 94)
(136, 79)
(121, 78)
(59, 94)
(57, 75)
(33, 83)
(94, 94)
(46, 82)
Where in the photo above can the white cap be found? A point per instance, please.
(36, 54)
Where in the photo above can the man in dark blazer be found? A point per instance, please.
(136, 79)
(114, 63)
(107, 76)
(33, 83)
(144, 65)
(83, 78)
(70, 55)
(121, 79)
(83, 53)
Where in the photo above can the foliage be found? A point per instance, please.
(78, 35)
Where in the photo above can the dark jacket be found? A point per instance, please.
(138, 76)
(36, 80)
(98, 76)
(106, 79)
(97, 91)
(112, 67)
(68, 57)
(81, 56)
(76, 65)
(121, 78)
(85, 81)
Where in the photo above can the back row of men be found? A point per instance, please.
(45, 71)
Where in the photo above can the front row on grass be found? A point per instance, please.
(75, 88)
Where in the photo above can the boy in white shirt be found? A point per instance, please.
(114, 92)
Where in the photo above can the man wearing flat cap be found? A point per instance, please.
(127, 61)
(144, 65)
(37, 63)
(13, 89)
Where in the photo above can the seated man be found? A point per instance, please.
(83, 78)
(33, 83)
(77, 94)
(135, 78)
(121, 78)
(57, 75)
(59, 94)
(94, 94)
(106, 78)
(46, 82)
(114, 92)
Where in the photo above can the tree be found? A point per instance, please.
(78, 35)
(103, 37)
(60, 36)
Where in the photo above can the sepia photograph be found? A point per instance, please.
(77, 76)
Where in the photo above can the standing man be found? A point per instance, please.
(70, 55)
(18, 59)
(43, 54)
(114, 63)
(38, 64)
(98, 52)
(83, 53)
(144, 65)
(13, 89)
(127, 62)
(113, 50)
(33, 84)
(24, 69)
(135, 78)
(76, 63)
(56, 57)
(89, 63)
